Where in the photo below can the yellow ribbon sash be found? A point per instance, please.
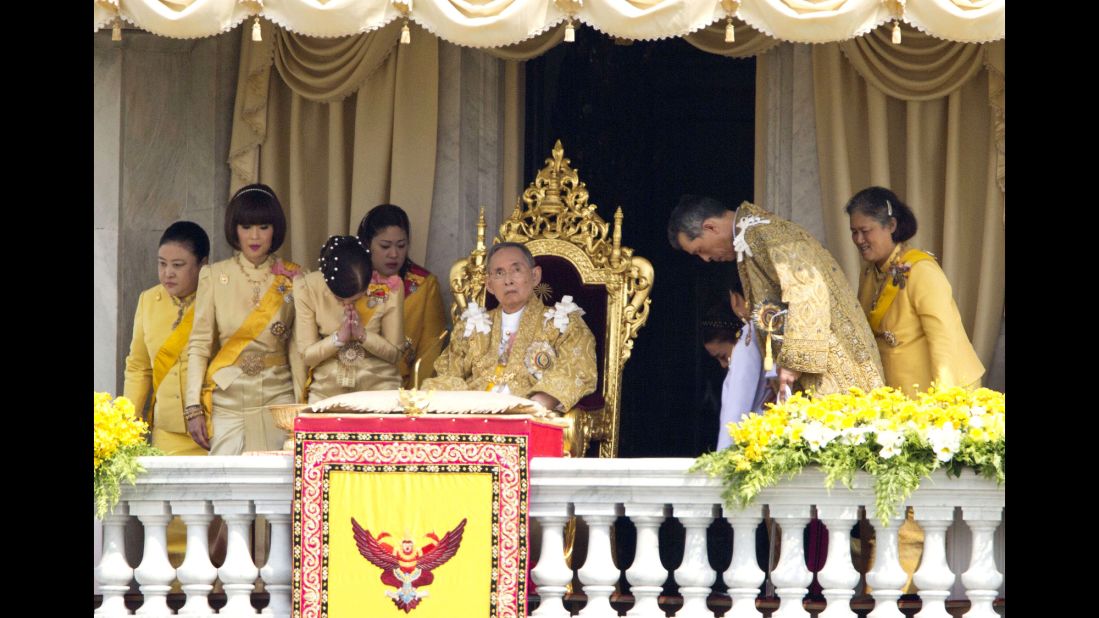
(252, 326)
(890, 289)
(168, 354)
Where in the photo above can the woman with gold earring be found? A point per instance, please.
(908, 302)
(385, 231)
(348, 343)
(241, 354)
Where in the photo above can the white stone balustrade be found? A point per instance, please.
(647, 491)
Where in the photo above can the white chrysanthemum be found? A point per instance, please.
(855, 435)
(890, 442)
(477, 319)
(817, 436)
(945, 441)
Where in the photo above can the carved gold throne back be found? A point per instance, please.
(581, 256)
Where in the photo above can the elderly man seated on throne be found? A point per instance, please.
(520, 347)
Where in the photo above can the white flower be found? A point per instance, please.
(560, 312)
(476, 319)
(817, 436)
(855, 435)
(890, 442)
(945, 441)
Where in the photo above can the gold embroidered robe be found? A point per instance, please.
(469, 363)
(826, 335)
(318, 314)
(929, 340)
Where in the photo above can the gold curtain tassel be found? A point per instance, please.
(730, 32)
(768, 360)
(116, 30)
(570, 32)
(406, 34)
(257, 33)
(896, 33)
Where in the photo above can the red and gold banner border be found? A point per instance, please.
(317, 453)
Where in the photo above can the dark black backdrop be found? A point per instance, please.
(643, 124)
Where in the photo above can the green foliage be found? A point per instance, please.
(122, 466)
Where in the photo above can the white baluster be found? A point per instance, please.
(113, 572)
(599, 574)
(551, 574)
(887, 577)
(238, 573)
(982, 579)
(196, 575)
(838, 578)
(934, 578)
(791, 577)
(155, 573)
(276, 573)
(744, 576)
(695, 576)
(646, 575)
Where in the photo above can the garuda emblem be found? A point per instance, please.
(405, 567)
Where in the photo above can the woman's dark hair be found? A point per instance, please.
(345, 264)
(255, 204)
(719, 324)
(381, 217)
(190, 235)
(881, 204)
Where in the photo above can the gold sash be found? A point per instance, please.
(252, 326)
(168, 354)
(890, 289)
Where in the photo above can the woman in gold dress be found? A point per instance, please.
(385, 232)
(241, 349)
(348, 345)
(908, 300)
(156, 369)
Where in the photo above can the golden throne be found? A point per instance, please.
(581, 256)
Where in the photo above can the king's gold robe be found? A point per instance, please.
(542, 358)
(826, 336)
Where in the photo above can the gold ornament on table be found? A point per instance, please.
(414, 403)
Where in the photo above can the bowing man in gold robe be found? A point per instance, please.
(156, 365)
(908, 300)
(241, 356)
(348, 323)
(385, 231)
(520, 347)
(826, 345)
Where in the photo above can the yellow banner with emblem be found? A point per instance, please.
(405, 543)
(252, 326)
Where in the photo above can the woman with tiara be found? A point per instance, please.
(241, 351)
(348, 345)
(385, 231)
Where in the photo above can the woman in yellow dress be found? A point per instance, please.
(908, 300)
(241, 347)
(911, 310)
(385, 232)
(162, 324)
(347, 345)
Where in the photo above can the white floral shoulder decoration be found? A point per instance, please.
(477, 319)
(560, 313)
(739, 242)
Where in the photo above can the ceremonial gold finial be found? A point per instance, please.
(616, 239)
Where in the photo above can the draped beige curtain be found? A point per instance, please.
(925, 119)
(339, 126)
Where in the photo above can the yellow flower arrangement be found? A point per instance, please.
(119, 438)
(896, 439)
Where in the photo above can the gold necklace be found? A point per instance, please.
(256, 285)
(182, 304)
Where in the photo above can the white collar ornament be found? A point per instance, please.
(739, 242)
(560, 313)
(476, 319)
